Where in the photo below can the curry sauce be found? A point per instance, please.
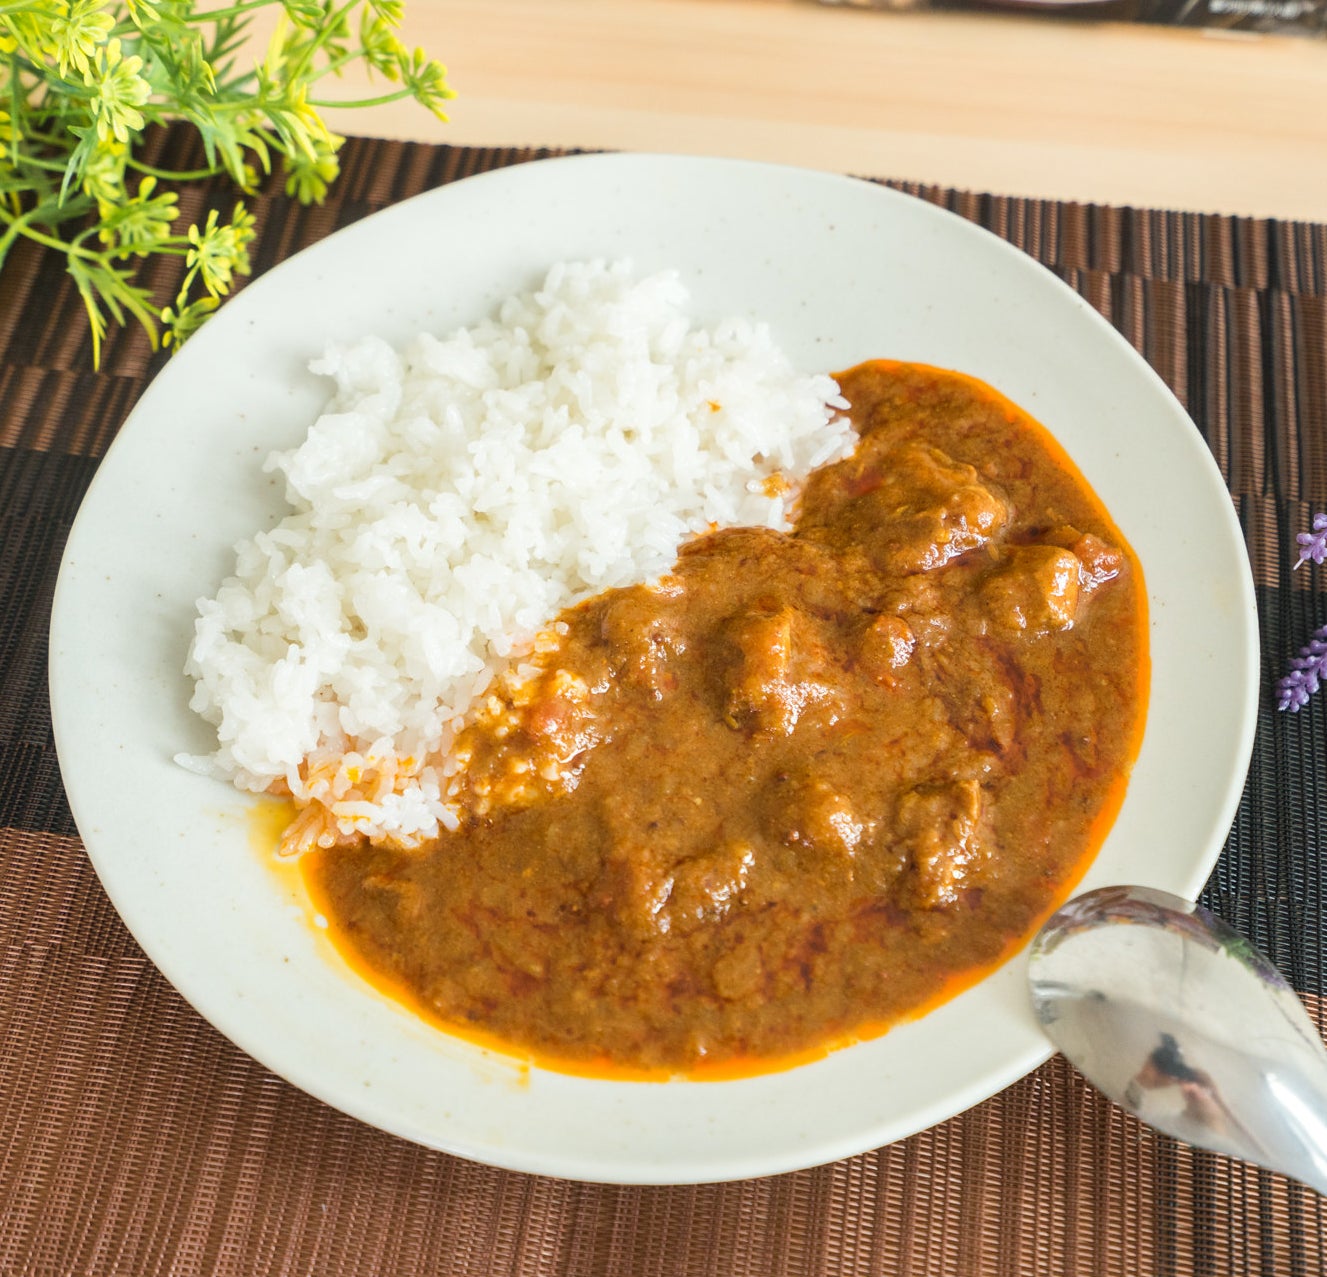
(799, 787)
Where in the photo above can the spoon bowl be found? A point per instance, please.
(1183, 1022)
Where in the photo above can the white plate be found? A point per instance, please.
(844, 271)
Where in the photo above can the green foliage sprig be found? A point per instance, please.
(81, 79)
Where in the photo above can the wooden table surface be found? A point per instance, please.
(1016, 105)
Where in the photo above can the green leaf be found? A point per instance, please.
(79, 158)
(304, 13)
(102, 285)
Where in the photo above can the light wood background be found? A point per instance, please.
(1010, 104)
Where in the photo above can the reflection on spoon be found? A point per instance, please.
(1182, 1021)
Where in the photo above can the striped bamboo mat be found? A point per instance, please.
(134, 1140)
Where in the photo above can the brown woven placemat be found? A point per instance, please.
(134, 1140)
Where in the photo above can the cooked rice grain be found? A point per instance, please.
(452, 499)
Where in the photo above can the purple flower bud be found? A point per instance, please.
(1307, 670)
(1313, 545)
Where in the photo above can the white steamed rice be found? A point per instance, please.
(453, 498)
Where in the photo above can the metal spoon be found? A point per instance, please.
(1183, 1022)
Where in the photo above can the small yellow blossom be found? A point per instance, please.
(183, 319)
(220, 251)
(308, 177)
(79, 30)
(103, 178)
(143, 13)
(121, 90)
(383, 50)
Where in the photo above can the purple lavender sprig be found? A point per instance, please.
(1313, 545)
(1306, 671)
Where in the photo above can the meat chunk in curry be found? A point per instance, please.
(801, 785)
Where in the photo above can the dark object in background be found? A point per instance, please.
(1296, 17)
(1287, 17)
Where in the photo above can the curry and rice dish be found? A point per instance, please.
(800, 785)
(651, 707)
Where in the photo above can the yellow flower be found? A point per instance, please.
(427, 81)
(183, 319)
(307, 125)
(30, 31)
(103, 178)
(383, 50)
(308, 177)
(78, 31)
(143, 221)
(120, 92)
(219, 252)
(142, 13)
